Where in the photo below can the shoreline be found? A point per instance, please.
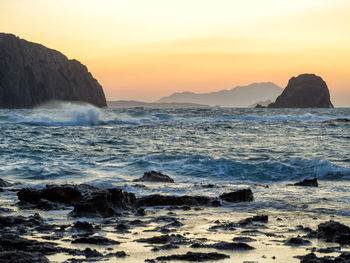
(161, 231)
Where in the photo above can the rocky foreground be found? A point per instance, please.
(101, 220)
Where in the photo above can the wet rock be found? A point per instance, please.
(230, 226)
(164, 247)
(243, 239)
(83, 226)
(297, 241)
(243, 195)
(333, 231)
(164, 239)
(95, 240)
(22, 257)
(194, 256)
(120, 254)
(226, 246)
(250, 220)
(88, 201)
(89, 253)
(162, 200)
(312, 258)
(3, 183)
(308, 182)
(67, 194)
(153, 176)
(104, 203)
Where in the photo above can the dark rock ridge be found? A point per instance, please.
(333, 231)
(88, 201)
(31, 74)
(304, 91)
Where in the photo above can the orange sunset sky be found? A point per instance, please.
(146, 49)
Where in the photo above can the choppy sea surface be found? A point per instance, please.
(82, 143)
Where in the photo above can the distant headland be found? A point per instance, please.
(32, 74)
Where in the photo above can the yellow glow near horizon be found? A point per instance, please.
(147, 49)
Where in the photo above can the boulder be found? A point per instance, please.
(31, 74)
(153, 176)
(333, 231)
(88, 201)
(308, 182)
(243, 195)
(304, 91)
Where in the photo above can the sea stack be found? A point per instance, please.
(304, 91)
(31, 74)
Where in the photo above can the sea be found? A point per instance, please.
(227, 147)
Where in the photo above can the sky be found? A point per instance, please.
(144, 50)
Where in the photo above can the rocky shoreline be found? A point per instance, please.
(100, 220)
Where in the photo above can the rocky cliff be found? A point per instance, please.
(304, 91)
(31, 74)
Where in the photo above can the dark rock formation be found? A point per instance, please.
(153, 176)
(194, 256)
(225, 246)
(312, 258)
(243, 195)
(162, 200)
(332, 231)
(88, 201)
(31, 74)
(297, 241)
(95, 240)
(304, 91)
(250, 220)
(308, 182)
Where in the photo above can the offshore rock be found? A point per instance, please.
(308, 182)
(153, 176)
(31, 74)
(304, 91)
(243, 195)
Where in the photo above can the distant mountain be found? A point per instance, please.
(239, 97)
(139, 104)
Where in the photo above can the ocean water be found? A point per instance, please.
(229, 147)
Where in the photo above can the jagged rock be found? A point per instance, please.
(304, 91)
(332, 231)
(312, 258)
(88, 201)
(95, 240)
(194, 256)
(308, 182)
(250, 220)
(297, 241)
(160, 200)
(243, 195)
(22, 257)
(31, 74)
(226, 246)
(153, 176)
(104, 203)
(164, 239)
(89, 253)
